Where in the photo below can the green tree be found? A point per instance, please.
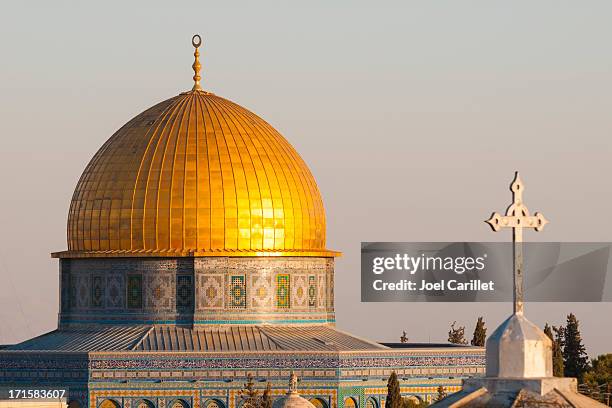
(249, 395)
(480, 333)
(457, 335)
(557, 353)
(394, 397)
(600, 372)
(266, 397)
(559, 335)
(548, 332)
(558, 344)
(414, 403)
(441, 394)
(575, 357)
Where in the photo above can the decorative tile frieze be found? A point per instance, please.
(98, 286)
(134, 291)
(184, 293)
(115, 291)
(237, 292)
(312, 291)
(159, 292)
(283, 291)
(83, 291)
(101, 289)
(261, 290)
(210, 293)
(299, 291)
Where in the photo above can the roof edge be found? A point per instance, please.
(143, 253)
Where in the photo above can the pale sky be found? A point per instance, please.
(411, 115)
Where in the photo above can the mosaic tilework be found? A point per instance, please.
(132, 398)
(109, 404)
(177, 404)
(134, 291)
(115, 289)
(184, 292)
(330, 288)
(142, 403)
(83, 291)
(237, 292)
(312, 291)
(210, 292)
(299, 291)
(213, 403)
(261, 290)
(283, 294)
(158, 293)
(97, 291)
(281, 362)
(321, 291)
(166, 294)
(65, 291)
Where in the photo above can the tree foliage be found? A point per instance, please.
(457, 335)
(441, 394)
(548, 332)
(266, 397)
(600, 372)
(414, 403)
(480, 333)
(557, 351)
(575, 357)
(251, 397)
(394, 397)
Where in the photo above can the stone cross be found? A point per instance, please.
(517, 217)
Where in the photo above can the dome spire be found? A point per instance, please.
(196, 41)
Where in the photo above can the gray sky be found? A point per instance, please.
(411, 115)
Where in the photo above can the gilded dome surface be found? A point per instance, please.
(196, 175)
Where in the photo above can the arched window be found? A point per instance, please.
(318, 402)
(349, 402)
(179, 403)
(213, 403)
(144, 404)
(371, 403)
(109, 404)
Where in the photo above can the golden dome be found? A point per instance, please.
(196, 175)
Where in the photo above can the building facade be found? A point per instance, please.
(196, 258)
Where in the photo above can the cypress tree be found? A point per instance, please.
(457, 335)
(480, 333)
(574, 353)
(548, 332)
(266, 398)
(557, 352)
(394, 397)
(560, 336)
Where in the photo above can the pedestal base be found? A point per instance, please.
(540, 386)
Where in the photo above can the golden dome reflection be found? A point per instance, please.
(196, 175)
